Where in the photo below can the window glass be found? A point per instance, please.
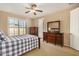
(21, 23)
(11, 22)
(21, 31)
(16, 31)
(11, 31)
(16, 26)
(16, 22)
(24, 23)
(24, 30)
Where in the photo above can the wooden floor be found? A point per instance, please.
(48, 49)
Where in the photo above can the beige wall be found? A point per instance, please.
(34, 22)
(4, 17)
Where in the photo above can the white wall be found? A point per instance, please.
(40, 27)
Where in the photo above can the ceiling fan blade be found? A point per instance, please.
(34, 13)
(39, 10)
(27, 11)
(27, 7)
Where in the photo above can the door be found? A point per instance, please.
(40, 27)
(74, 29)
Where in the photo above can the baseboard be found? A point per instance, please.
(71, 48)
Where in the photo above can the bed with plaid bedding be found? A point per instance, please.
(17, 45)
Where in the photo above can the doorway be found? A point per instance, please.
(74, 29)
(40, 28)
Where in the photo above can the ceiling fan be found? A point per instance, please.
(33, 9)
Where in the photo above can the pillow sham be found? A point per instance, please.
(2, 36)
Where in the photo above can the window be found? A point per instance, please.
(16, 27)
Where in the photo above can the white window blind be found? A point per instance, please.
(16, 26)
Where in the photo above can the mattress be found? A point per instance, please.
(17, 45)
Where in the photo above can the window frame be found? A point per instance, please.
(19, 27)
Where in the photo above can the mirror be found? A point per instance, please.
(53, 26)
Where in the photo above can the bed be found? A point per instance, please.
(18, 45)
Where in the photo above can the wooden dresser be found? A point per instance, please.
(55, 38)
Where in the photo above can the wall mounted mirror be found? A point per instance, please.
(53, 26)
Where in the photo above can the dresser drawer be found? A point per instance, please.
(51, 39)
(55, 38)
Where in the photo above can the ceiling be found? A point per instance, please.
(19, 8)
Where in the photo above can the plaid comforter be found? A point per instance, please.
(18, 45)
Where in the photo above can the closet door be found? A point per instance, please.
(74, 29)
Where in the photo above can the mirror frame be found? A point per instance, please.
(53, 28)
